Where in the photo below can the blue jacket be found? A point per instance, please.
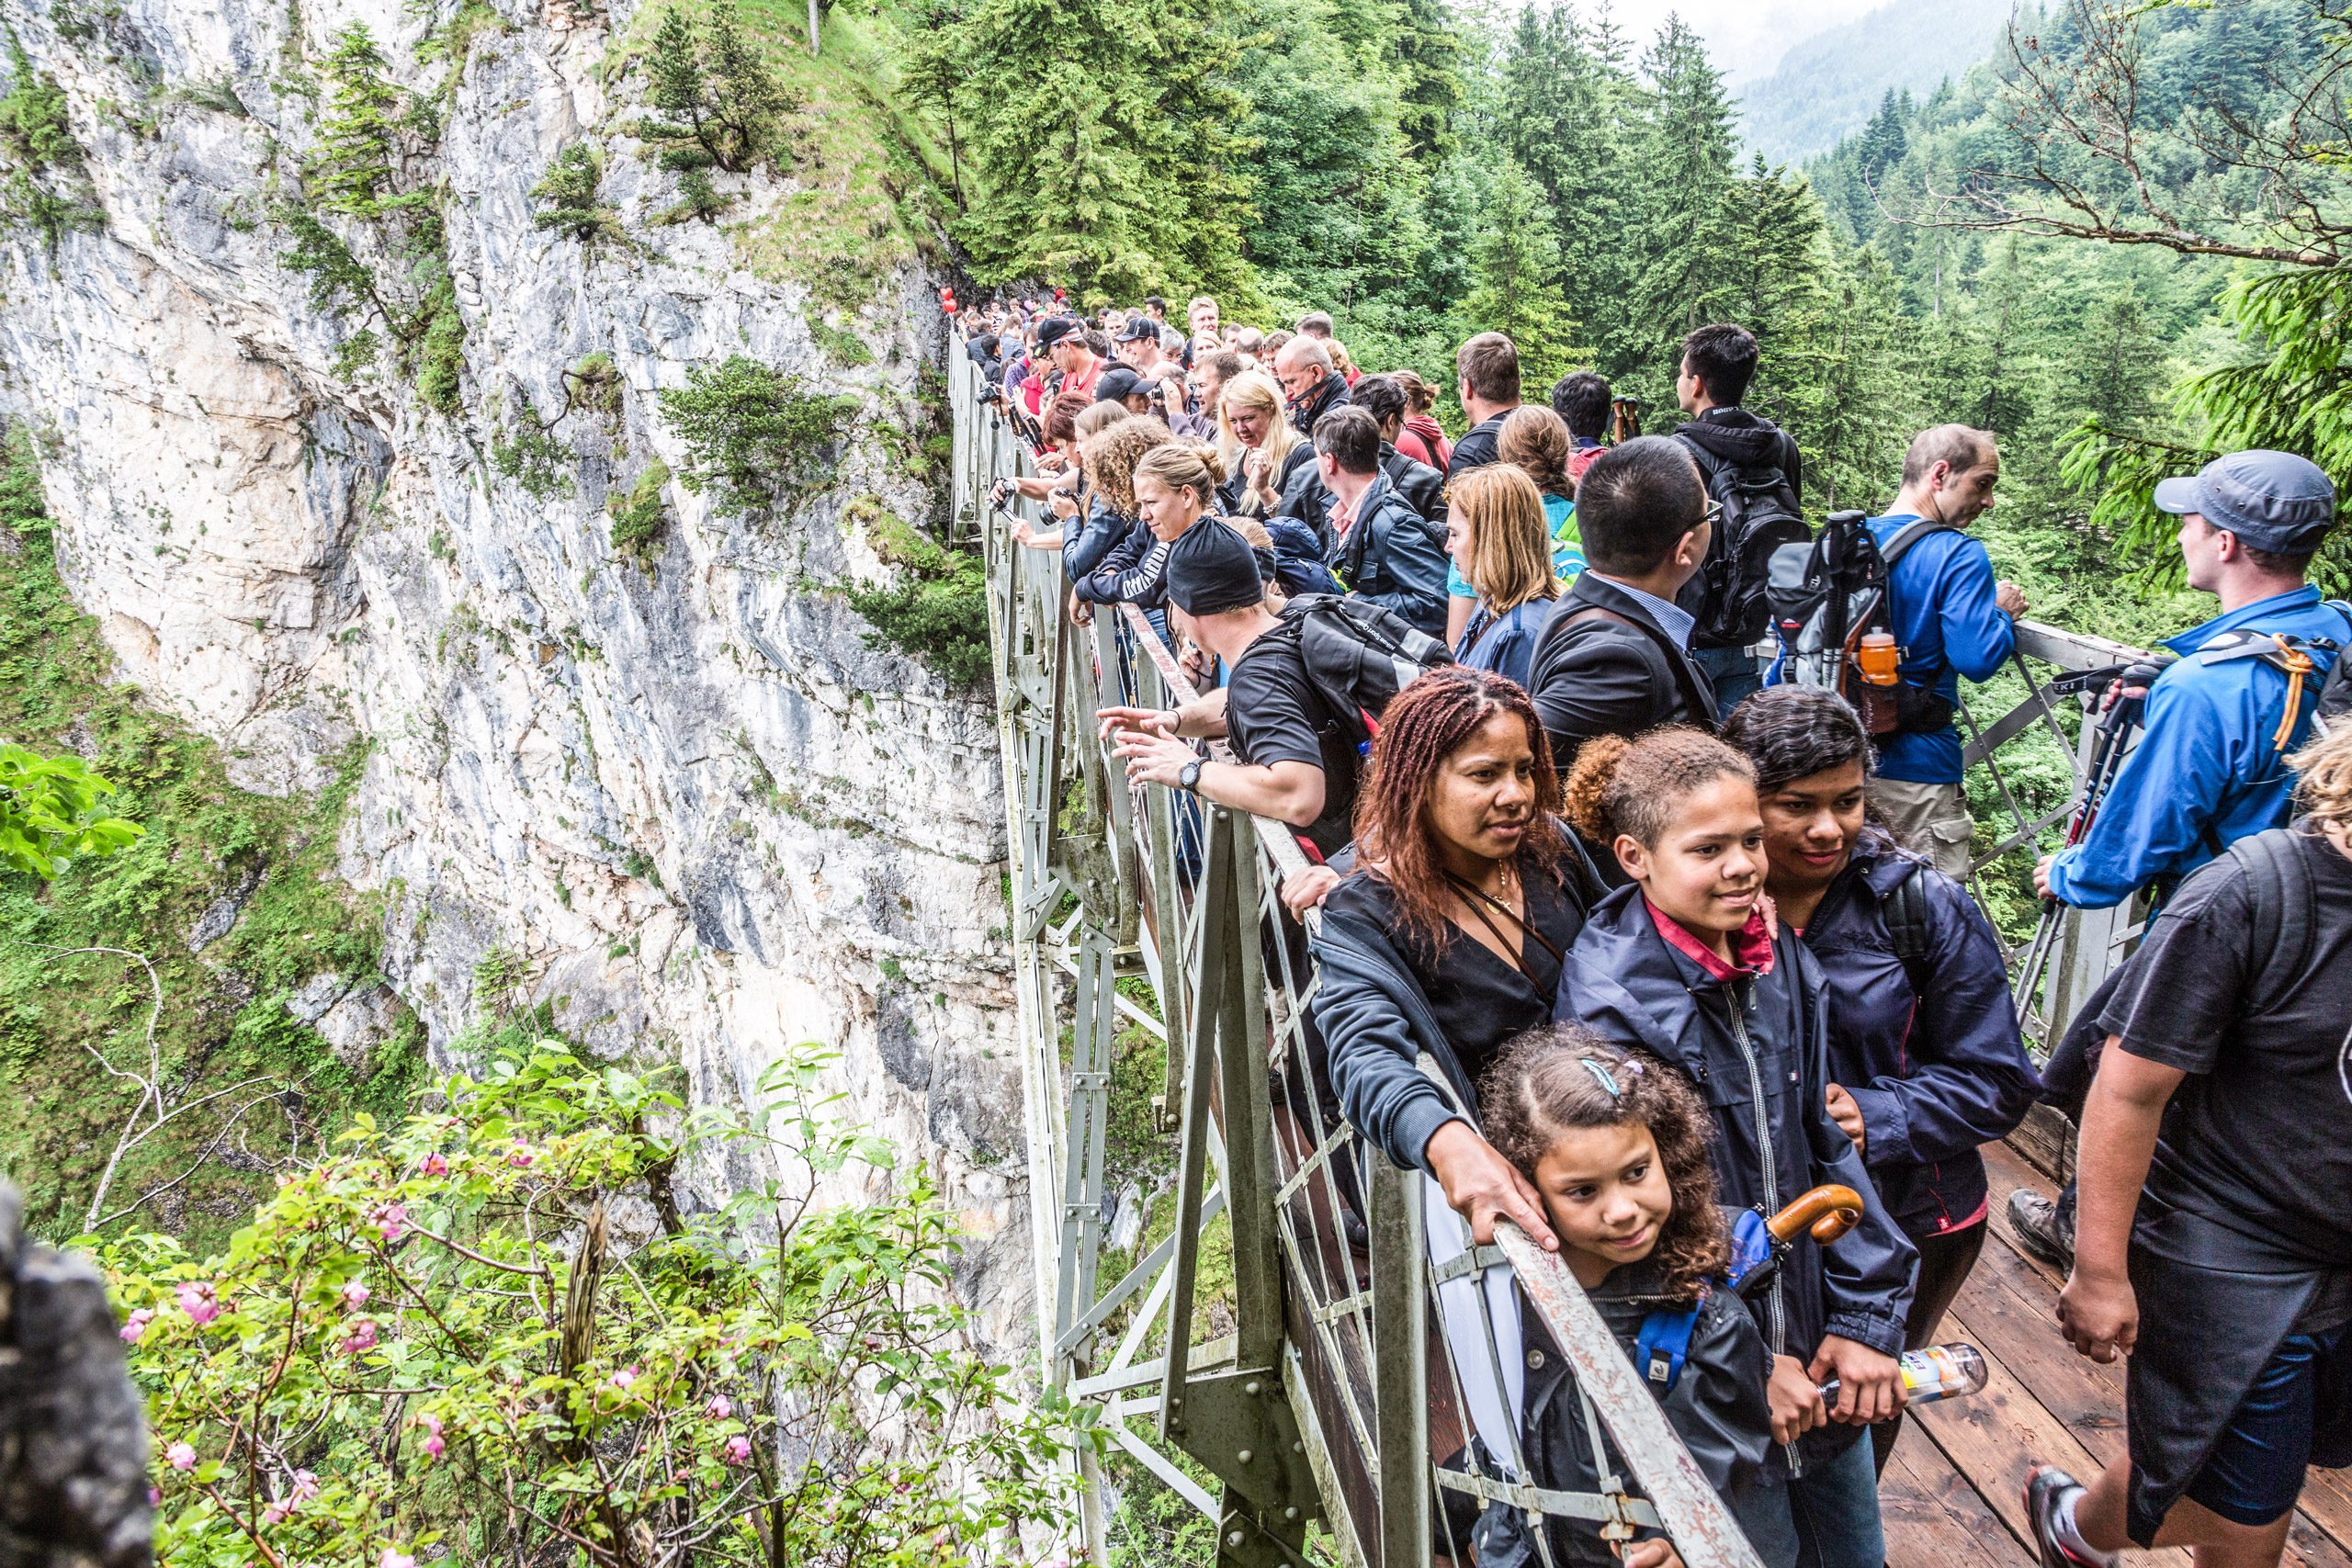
(1937, 1068)
(1941, 598)
(2205, 773)
(1389, 558)
(1505, 643)
(1086, 540)
(1624, 982)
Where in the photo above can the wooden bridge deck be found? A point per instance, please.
(1952, 1496)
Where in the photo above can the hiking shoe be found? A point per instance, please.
(2047, 1486)
(2043, 1228)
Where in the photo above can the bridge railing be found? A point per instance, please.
(1301, 1372)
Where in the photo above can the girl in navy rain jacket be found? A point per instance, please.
(1926, 1060)
(1684, 964)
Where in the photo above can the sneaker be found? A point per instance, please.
(2044, 1228)
(2046, 1487)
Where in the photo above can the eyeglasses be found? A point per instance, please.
(1715, 513)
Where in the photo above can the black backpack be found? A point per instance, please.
(1826, 594)
(1760, 515)
(2285, 917)
(1357, 656)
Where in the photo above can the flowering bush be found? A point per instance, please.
(437, 1346)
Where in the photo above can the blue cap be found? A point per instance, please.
(2272, 501)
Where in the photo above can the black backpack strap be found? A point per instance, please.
(1904, 910)
(1910, 534)
(2284, 917)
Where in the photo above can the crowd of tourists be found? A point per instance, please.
(1658, 848)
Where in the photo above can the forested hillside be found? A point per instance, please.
(1828, 85)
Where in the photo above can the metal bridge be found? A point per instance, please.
(1309, 1390)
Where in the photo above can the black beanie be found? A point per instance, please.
(1211, 569)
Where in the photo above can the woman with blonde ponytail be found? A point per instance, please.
(1175, 486)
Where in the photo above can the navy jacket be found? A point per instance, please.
(1938, 1072)
(1624, 982)
(1716, 1407)
(1134, 570)
(1086, 540)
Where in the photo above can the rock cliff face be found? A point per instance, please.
(705, 816)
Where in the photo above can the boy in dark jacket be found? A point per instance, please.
(1684, 965)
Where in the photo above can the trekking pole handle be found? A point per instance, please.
(1826, 1214)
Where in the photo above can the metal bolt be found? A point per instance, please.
(1244, 1456)
(1233, 1537)
(1290, 1513)
(1251, 1387)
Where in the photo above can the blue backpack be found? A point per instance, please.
(1664, 1342)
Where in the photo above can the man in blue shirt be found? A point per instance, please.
(1951, 619)
(2210, 765)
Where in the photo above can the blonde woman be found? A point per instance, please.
(1266, 461)
(1496, 534)
(1175, 486)
(1536, 442)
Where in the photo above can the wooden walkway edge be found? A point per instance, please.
(1953, 1495)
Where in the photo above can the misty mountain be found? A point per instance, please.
(1832, 82)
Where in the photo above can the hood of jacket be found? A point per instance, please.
(1735, 435)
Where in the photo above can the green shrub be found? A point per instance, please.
(569, 188)
(721, 103)
(47, 186)
(441, 352)
(533, 459)
(594, 382)
(937, 610)
(432, 1342)
(752, 433)
(697, 198)
(639, 517)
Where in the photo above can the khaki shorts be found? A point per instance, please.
(1931, 819)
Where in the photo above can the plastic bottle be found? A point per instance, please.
(1939, 1371)
(1874, 664)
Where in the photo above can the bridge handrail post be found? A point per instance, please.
(1400, 1370)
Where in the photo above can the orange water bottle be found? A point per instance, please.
(1874, 663)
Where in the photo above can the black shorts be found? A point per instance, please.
(2294, 1416)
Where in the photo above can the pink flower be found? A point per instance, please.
(522, 1157)
(433, 1444)
(390, 1220)
(624, 1377)
(136, 1325)
(198, 1300)
(154, 1496)
(274, 1514)
(182, 1456)
(720, 1408)
(306, 1486)
(739, 1450)
(354, 1295)
(392, 1559)
(361, 1337)
(433, 1166)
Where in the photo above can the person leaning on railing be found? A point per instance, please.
(1266, 710)
(1448, 937)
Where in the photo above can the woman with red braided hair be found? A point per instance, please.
(1449, 936)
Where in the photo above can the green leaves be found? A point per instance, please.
(50, 815)
(376, 1363)
(752, 432)
(569, 187)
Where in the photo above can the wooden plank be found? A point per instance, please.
(2015, 1299)
(1994, 1436)
(1933, 1519)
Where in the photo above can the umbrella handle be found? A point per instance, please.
(1826, 1214)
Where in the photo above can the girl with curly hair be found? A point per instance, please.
(1686, 961)
(1615, 1144)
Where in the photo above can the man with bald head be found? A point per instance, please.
(1951, 619)
(1310, 381)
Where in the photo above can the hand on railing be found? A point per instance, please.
(1483, 1187)
(1306, 888)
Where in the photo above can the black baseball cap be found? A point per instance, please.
(1119, 384)
(1052, 330)
(1211, 569)
(1137, 329)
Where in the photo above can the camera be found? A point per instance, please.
(991, 392)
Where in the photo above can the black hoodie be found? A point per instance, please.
(1735, 435)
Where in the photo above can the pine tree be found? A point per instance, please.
(1518, 291)
(1106, 143)
(351, 172)
(1867, 412)
(569, 188)
(1780, 255)
(720, 102)
(1683, 240)
(1428, 50)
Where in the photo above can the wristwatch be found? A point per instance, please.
(1188, 778)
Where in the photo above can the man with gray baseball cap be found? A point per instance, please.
(2218, 724)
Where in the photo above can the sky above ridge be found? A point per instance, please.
(1745, 37)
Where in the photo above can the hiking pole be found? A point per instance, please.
(2107, 762)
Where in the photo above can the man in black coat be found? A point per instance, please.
(1614, 657)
